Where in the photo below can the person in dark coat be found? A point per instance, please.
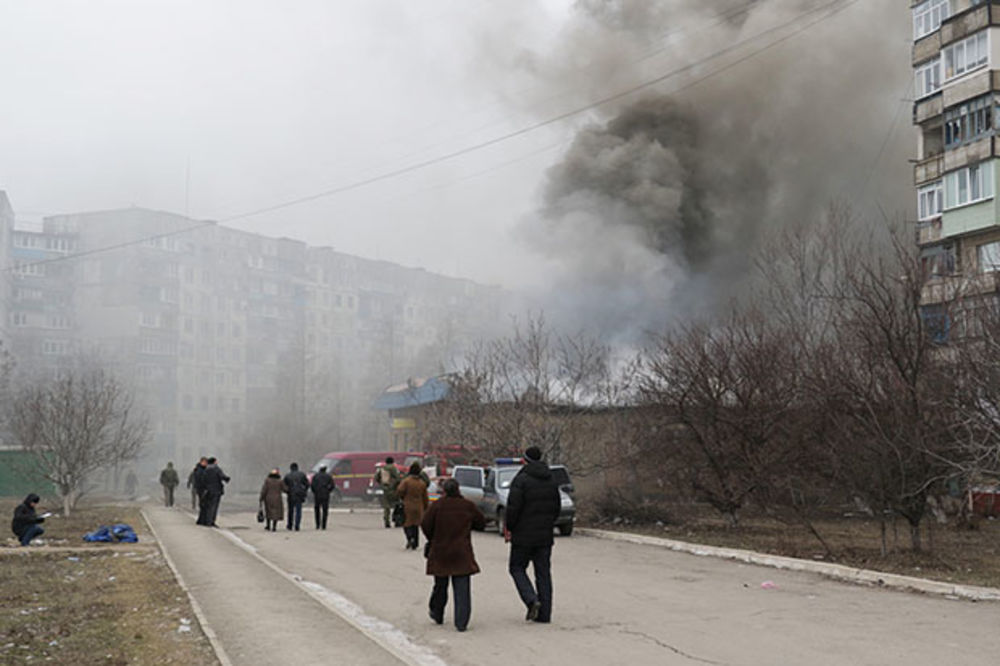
(191, 485)
(270, 496)
(532, 510)
(169, 480)
(448, 526)
(214, 479)
(25, 525)
(198, 476)
(412, 492)
(296, 486)
(322, 485)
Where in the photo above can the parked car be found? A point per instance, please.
(352, 471)
(488, 489)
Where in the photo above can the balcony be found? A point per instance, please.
(963, 24)
(970, 85)
(927, 47)
(928, 169)
(928, 107)
(969, 153)
(929, 231)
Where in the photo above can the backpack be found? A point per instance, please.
(385, 476)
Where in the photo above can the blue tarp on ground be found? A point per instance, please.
(120, 532)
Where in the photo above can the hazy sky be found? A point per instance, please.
(216, 109)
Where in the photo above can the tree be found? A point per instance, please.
(80, 422)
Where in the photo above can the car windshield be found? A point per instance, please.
(505, 476)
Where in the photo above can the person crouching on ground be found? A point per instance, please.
(448, 526)
(270, 497)
(412, 491)
(25, 524)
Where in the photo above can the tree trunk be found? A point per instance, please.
(67, 498)
(882, 529)
(915, 536)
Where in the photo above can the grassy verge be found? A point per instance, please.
(970, 557)
(113, 604)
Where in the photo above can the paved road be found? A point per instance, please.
(614, 603)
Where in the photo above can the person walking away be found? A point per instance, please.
(532, 510)
(169, 480)
(270, 496)
(387, 477)
(25, 524)
(192, 486)
(215, 479)
(322, 485)
(131, 483)
(412, 491)
(448, 526)
(199, 489)
(296, 485)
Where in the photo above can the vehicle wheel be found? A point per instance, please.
(566, 529)
(336, 497)
(501, 521)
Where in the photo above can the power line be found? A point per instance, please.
(834, 7)
(844, 4)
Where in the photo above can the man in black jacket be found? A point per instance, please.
(532, 510)
(322, 485)
(213, 478)
(198, 488)
(296, 486)
(25, 523)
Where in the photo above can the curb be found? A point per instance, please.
(220, 652)
(836, 571)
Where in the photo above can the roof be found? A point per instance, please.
(413, 393)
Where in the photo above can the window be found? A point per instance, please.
(968, 185)
(966, 55)
(930, 200)
(969, 121)
(928, 78)
(22, 268)
(938, 261)
(989, 257)
(55, 347)
(927, 17)
(19, 319)
(57, 321)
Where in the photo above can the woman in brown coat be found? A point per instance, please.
(448, 527)
(270, 496)
(413, 492)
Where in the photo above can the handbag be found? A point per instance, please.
(260, 514)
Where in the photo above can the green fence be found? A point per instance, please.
(14, 482)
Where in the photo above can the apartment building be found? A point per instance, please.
(216, 328)
(956, 61)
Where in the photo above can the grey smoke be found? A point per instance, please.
(657, 206)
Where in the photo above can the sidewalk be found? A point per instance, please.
(255, 614)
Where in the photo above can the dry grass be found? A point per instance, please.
(101, 604)
(950, 554)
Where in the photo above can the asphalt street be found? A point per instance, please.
(355, 591)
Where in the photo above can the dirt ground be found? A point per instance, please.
(950, 554)
(71, 602)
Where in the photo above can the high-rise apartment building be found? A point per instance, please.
(956, 61)
(216, 327)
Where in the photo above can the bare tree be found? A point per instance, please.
(76, 424)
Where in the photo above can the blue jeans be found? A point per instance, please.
(294, 513)
(540, 557)
(30, 533)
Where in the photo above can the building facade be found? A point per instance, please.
(219, 330)
(956, 61)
